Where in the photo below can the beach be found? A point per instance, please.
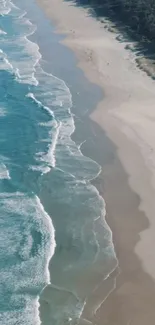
(127, 182)
(77, 169)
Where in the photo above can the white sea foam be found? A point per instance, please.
(26, 217)
(43, 169)
(31, 95)
(4, 173)
(60, 102)
(49, 157)
(51, 230)
(53, 96)
(24, 68)
(8, 63)
(2, 32)
(60, 94)
(3, 112)
(4, 62)
(57, 103)
(4, 7)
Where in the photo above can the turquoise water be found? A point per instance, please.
(48, 208)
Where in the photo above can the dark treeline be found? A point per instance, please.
(139, 15)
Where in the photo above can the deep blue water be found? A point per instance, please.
(46, 198)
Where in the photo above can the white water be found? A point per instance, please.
(21, 57)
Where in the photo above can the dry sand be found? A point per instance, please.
(127, 114)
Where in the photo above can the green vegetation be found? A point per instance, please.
(139, 15)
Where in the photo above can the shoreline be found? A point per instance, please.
(119, 127)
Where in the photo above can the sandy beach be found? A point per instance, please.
(127, 116)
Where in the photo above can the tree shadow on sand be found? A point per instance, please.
(113, 21)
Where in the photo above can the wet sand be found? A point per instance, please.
(128, 179)
(132, 302)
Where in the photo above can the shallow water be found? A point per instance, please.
(48, 208)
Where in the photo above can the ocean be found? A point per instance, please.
(53, 232)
